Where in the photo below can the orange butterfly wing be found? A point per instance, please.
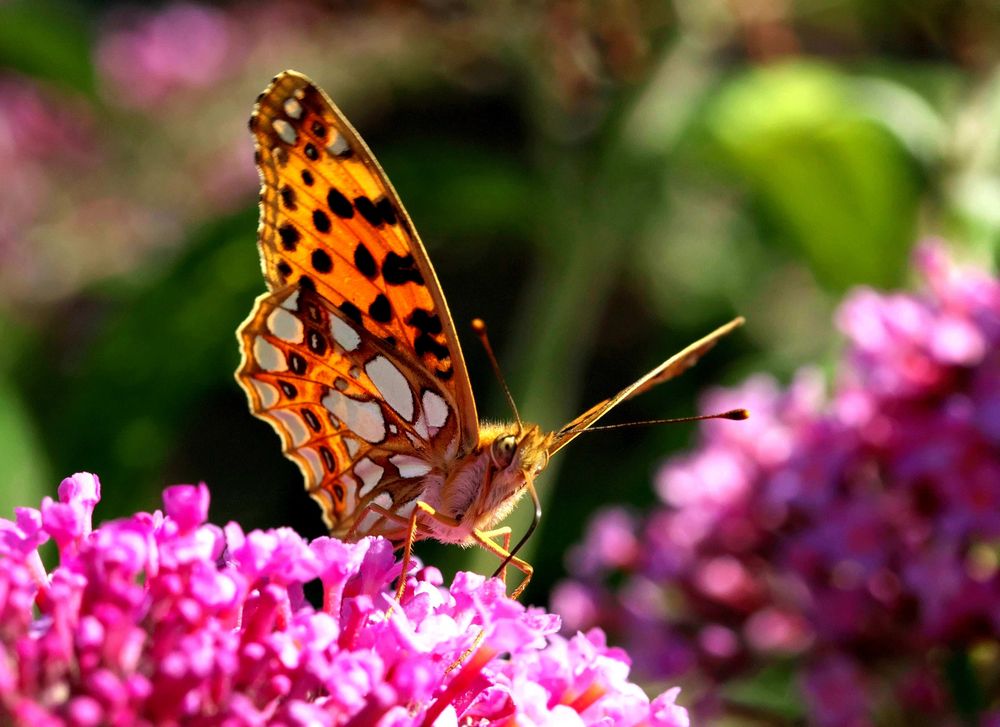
(345, 265)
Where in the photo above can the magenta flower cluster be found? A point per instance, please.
(163, 619)
(856, 532)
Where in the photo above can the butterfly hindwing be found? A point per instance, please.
(331, 222)
(364, 425)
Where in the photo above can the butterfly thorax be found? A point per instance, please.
(484, 486)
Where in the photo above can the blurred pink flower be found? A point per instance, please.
(161, 618)
(43, 133)
(150, 55)
(856, 531)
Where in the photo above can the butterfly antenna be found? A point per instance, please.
(479, 327)
(733, 414)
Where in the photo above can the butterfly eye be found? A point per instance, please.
(503, 450)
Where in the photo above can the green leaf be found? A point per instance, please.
(833, 181)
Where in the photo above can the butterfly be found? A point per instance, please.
(352, 357)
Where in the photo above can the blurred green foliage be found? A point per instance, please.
(47, 39)
(601, 182)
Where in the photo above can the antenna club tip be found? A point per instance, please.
(737, 415)
(479, 325)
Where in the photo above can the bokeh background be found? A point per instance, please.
(602, 182)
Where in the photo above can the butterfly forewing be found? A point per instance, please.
(352, 357)
(364, 425)
(331, 222)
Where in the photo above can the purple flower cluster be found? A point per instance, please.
(855, 532)
(163, 619)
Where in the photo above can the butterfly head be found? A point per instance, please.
(516, 454)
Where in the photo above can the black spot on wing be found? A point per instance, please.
(364, 261)
(311, 152)
(339, 204)
(288, 198)
(399, 269)
(351, 311)
(316, 342)
(425, 343)
(380, 310)
(321, 261)
(424, 321)
(367, 210)
(386, 209)
(311, 420)
(289, 236)
(321, 221)
(296, 363)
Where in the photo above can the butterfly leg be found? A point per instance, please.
(411, 535)
(410, 523)
(483, 538)
(505, 533)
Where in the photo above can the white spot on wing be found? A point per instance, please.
(267, 356)
(312, 458)
(435, 408)
(286, 132)
(370, 473)
(338, 146)
(293, 108)
(410, 466)
(392, 385)
(372, 517)
(291, 302)
(352, 446)
(420, 427)
(350, 487)
(268, 394)
(291, 424)
(285, 326)
(364, 418)
(407, 509)
(345, 336)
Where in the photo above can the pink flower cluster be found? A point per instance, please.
(147, 56)
(856, 532)
(163, 619)
(46, 138)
